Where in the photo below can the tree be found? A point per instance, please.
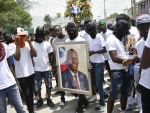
(25, 4)
(48, 21)
(12, 15)
(114, 15)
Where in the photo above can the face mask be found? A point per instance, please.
(72, 34)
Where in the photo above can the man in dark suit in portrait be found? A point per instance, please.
(71, 77)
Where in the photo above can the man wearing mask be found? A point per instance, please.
(41, 66)
(96, 50)
(118, 61)
(22, 52)
(73, 37)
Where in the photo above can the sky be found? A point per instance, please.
(52, 7)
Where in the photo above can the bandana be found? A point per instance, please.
(22, 42)
(2, 51)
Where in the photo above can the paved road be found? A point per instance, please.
(71, 104)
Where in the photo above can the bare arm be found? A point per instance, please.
(145, 60)
(17, 54)
(98, 51)
(51, 58)
(115, 58)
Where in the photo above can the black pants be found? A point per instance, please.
(145, 98)
(82, 101)
(27, 84)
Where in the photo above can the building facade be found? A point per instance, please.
(143, 7)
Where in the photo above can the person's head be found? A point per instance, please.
(40, 34)
(21, 32)
(91, 29)
(133, 22)
(121, 29)
(102, 25)
(52, 31)
(7, 38)
(110, 26)
(86, 21)
(0, 34)
(143, 24)
(123, 17)
(58, 31)
(72, 30)
(73, 60)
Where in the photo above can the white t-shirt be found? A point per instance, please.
(23, 67)
(41, 62)
(84, 34)
(59, 40)
(145, 74)
(79, 38)
(94, 45)
(6, 77)
(113, 43)
(105, 36)
(139, 47)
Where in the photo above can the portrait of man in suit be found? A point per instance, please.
(72, 77)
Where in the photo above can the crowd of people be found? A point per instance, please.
(123, 49)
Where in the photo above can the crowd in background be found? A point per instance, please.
(122, 49)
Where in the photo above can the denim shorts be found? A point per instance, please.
(38, 80)
(120, 83)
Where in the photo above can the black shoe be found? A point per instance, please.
(62, 104)
(39, 103)
(50, 103)
(79, 110)
(57, 93)
(100, 107)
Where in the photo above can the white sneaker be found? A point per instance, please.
(93, 98)
(77, 98)
(62, 104)
(88, 97)
(129, 107)
(140, 110)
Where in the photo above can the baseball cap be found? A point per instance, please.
(100, 22)
(20, 31)
(71, 26)
(144, 18)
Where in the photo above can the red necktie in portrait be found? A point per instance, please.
(76, 82)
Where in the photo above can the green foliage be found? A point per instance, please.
(13, 15)
(85, 8)
(114, 15)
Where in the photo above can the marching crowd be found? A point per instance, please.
(122, 49)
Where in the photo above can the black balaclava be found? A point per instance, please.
(91, 29)
(39, 36)
(72, 31)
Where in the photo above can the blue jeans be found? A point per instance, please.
(38, 80)
(97, 79)
(13, 95)
(120, 83)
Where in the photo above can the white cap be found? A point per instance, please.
(21, 31)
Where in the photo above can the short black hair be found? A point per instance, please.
(40, 32)
(123, 17)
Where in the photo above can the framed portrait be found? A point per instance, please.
(73, 64)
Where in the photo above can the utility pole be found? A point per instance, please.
(104, 10)
(134, 8)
